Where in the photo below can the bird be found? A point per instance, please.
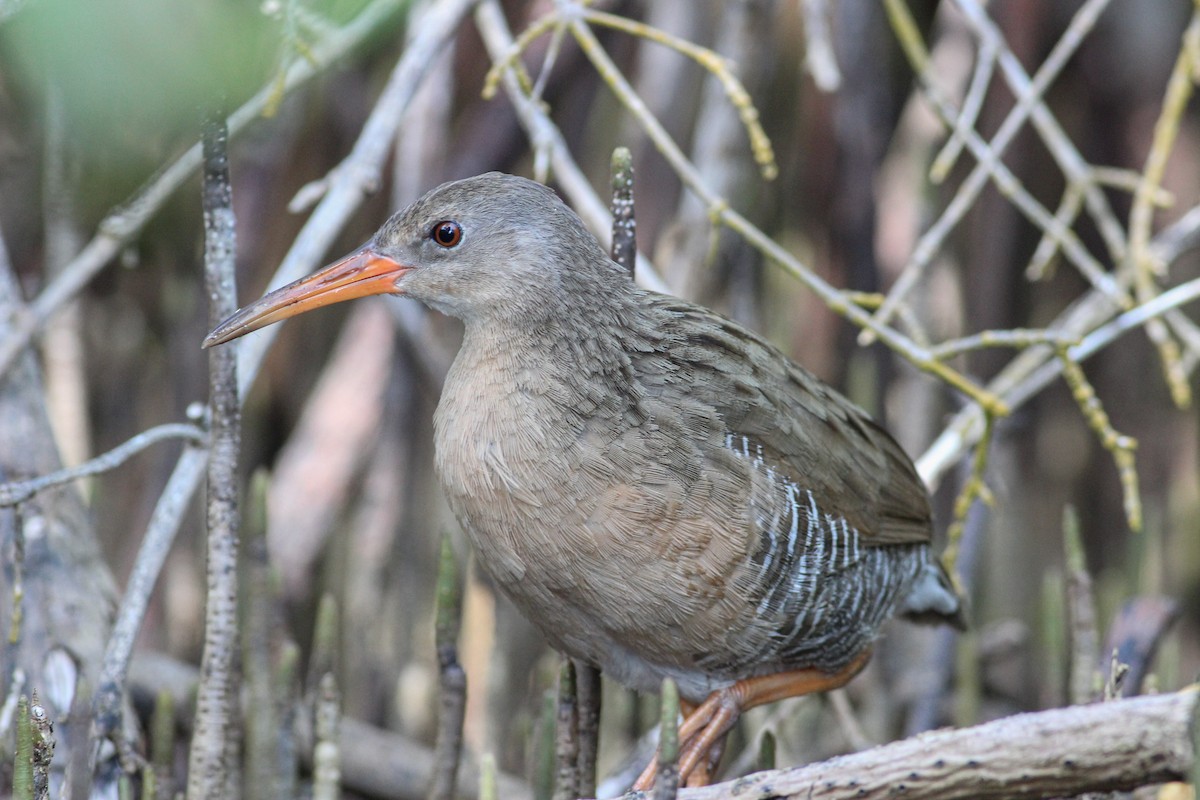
(661, 491)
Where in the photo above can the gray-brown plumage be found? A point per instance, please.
(661, 491)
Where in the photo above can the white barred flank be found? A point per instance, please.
(824, 589)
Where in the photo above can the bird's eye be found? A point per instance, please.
(447, 233)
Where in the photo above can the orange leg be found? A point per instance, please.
(705, 728)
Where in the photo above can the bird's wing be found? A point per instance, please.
(776, 410)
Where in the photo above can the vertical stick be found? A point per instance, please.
(327, 756)
(158, 782)
(452, 679)
(1081, 613)
(667, 785)
(624, 227)
(566, 741)
(22, 786)
(261, 719)
(210, 775)
(587, 693)
(286, 701)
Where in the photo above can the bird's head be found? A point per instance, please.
(484, 248)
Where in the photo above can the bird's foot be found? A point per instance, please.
(702, 734)
(701, 739)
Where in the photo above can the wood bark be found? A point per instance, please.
(211, 765)
(1063, 752)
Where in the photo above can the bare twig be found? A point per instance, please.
(974, 489)
(16, 619)
(1141, 263)
(1081, 613)
(452, 678)
(566, 737)
(1176, 239)
(209, 769)
(1120, 446)
(666, 786)
(62, 347)
(985, 64)
(325, 645)
(258, 625)
(43, 746)
(160, 534)
(159, 780)
(22, 788)
(587, 690)
(1015, 337)
(20, 491)
(327, 753)
(1062, 752)
(819, 56)
(624, 223)
(287, 700)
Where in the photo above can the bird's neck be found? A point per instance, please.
(584, 333)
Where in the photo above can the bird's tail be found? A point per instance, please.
(934, 599)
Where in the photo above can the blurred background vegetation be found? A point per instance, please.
(95, 98)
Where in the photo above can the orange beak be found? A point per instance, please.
(363, 272)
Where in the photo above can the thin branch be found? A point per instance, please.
(819, 57)
(327, 752)
(1019, 338)
(19, 491)
(985, 66)
(588, 693)
(1081, 614)
(974, 488)
(452, 678)
(1142, 264)
(719, 68)
(1120, 446)
(1135, 633)
(570, 13)
(1135, 318)
(1068, 211)
(1078, 172)
(160, 534)
(209, 768)
(1175, 240)
(666, 785)
(624, 225)
(566, 735)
